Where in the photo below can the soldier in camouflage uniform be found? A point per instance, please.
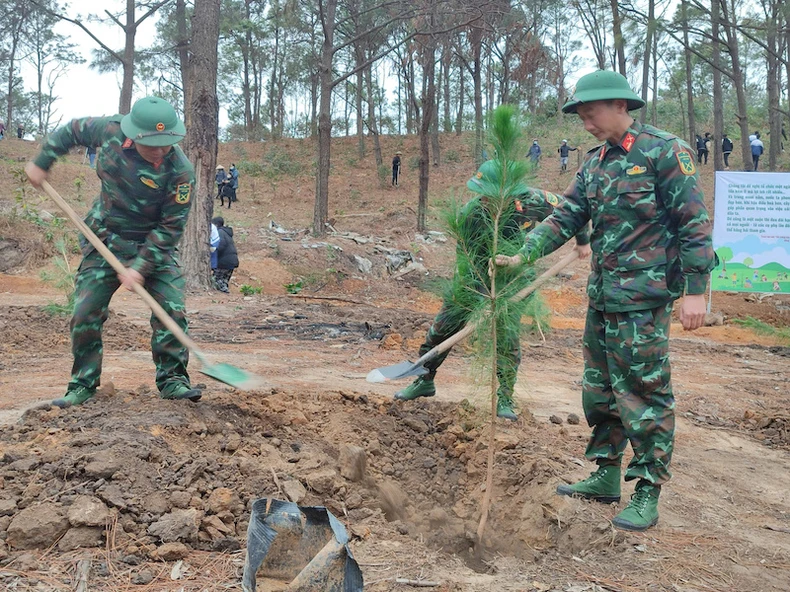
(140, 214)
(531, 207)
(651, 242)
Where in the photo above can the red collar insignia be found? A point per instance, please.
(602, 154)
(127, 143)
(628, 142)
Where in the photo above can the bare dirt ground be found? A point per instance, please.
(171, 483)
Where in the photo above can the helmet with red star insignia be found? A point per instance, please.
(153, 122)
(602, 85)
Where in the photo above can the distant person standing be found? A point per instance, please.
(534, 153)
(234, 181)
(227, 256)
(396, 168)
(564, 150)
(213, 243)
(726, 150)
(90, 151)
(220, 179)
(2, 130)
(20, 130)
(702, 149)
(757, 149)
(707, 141)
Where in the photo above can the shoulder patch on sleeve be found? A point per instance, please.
(552, 199)
(183, 193)
(686, 162)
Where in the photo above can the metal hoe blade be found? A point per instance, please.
(401, 370)
(235, 377)
(404, 369)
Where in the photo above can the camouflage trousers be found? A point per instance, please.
(96, 283)
(627, 392)
(222, 279)
(451, 319)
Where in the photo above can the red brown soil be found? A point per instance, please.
(724, 516)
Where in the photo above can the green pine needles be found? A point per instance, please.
(490, 224)
(487, 225)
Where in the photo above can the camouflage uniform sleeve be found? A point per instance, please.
(88, 131)
(679, 188)
(569, 219)
(162, 240)
(542, 206)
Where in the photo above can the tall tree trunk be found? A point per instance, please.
(619, 43)
(428, 101)
(360, 58)
(412, 117)
(447, 124)
(372, 125)
(16, 25)
(201, 141)
(273, 128)
(315, 79)
(718, 99)
(436, 149)
(689, 83)
(651, 19)
(183, 57)
(654, 108)
(459, 119)
(321, 210)
(773, 83)
(476, 39)
(730, 28)
(127, 85)
(250, 122)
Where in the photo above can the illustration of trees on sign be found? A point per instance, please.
(725, 254)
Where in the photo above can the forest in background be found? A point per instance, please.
(306, 68)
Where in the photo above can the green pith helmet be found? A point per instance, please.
(153, 122)
(601, 86)
(488, 180)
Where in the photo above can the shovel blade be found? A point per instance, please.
(235, 377)
(396, 371)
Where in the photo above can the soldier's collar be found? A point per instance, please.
(626, 142)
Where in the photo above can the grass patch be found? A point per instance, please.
(781, 334)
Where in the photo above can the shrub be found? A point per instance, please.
(248, 290)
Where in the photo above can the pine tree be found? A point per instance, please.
(482, 293)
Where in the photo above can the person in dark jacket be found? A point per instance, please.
(757, 148)
(702, 149)
(396, 168)
(227, 256)
(726, 150)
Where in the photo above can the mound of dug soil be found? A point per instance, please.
(152, 480)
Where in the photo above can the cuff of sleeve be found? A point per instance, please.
(141, 266)
(697, 283)
(43, 161)
(583, 238)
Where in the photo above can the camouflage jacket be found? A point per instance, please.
(651, 233)
(142, 209)
(530, 208)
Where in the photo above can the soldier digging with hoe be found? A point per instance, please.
(651, 243)
(140, 214)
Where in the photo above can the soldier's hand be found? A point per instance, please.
(583, 251)
(692, 311)
(131, 277)
(505, 261)
(36, 174)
